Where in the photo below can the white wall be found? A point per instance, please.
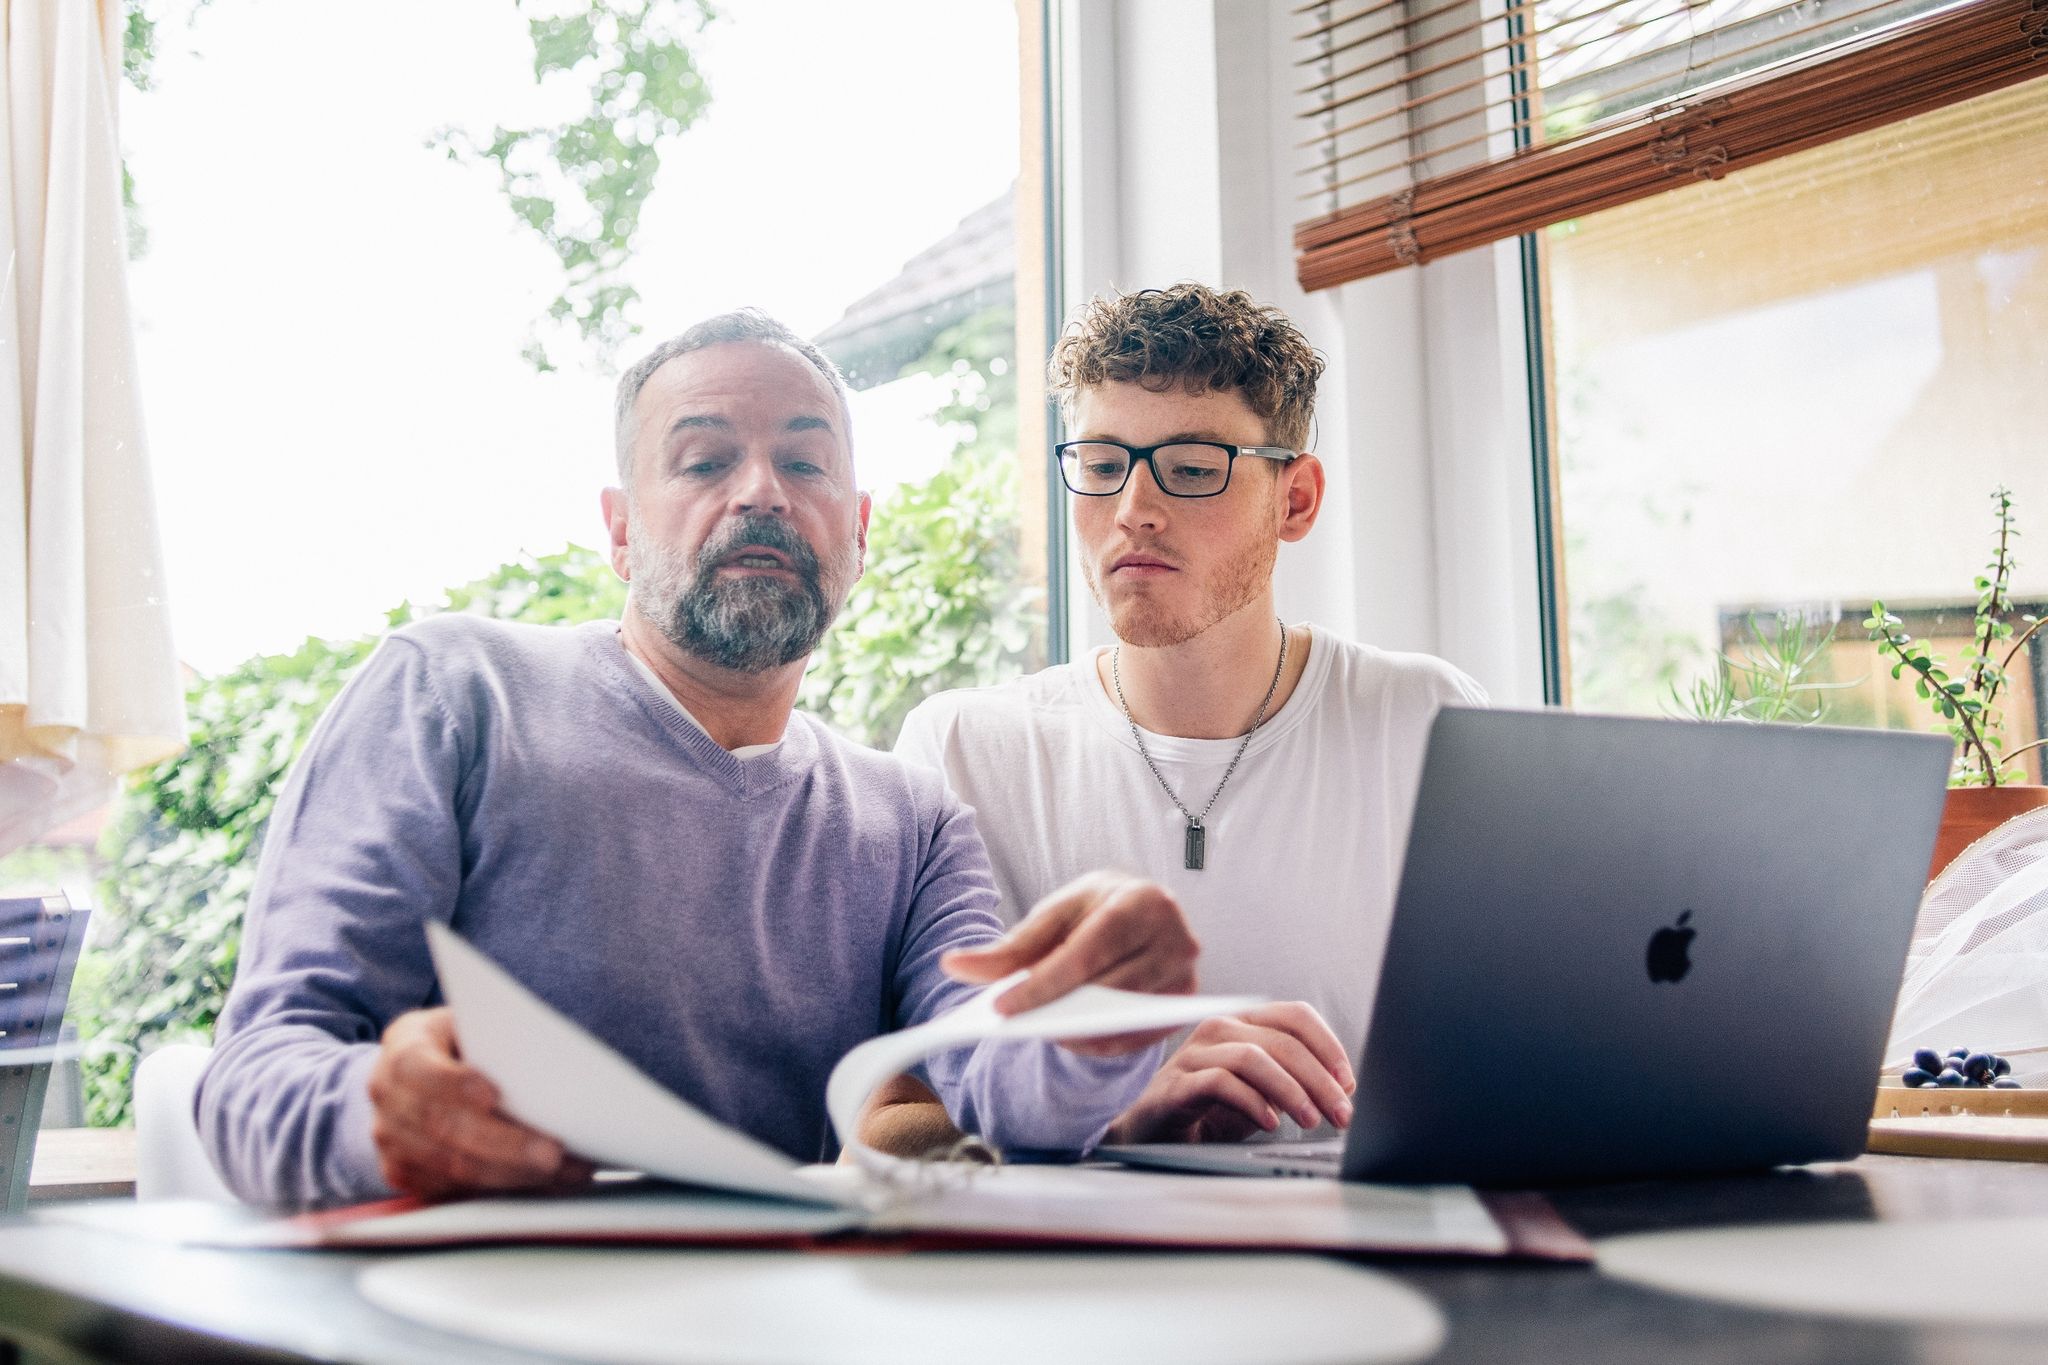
(1178, 163)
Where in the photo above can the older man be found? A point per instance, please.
(629, 816)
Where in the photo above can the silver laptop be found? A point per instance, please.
(1627, 947)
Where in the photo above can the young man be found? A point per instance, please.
(1264, 773)
(628, 816)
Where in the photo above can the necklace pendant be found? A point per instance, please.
(1197, 845)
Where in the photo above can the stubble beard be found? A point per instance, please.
(746, 623)
(1145, 623)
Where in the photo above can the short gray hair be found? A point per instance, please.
(742, 324)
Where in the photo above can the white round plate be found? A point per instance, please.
(623, 1305)
(1991, 1272)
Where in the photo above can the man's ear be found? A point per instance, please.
(867, 505)
(614, 503)
(1301, 496)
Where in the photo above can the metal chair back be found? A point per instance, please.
(39, 941)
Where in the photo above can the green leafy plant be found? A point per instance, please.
(579, 185)
(1969, 705)
(942, 604)
(1778, 678)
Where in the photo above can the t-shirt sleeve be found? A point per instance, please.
(922, 740)
(1019, 1094)
(362, 848)
(1462, 690)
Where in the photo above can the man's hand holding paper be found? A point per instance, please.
(437, 1125)
(1105, 929)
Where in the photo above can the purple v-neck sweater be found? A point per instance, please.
(732, 926)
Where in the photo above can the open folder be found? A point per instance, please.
(709, 1184)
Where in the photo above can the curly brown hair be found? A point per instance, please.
(1191, 335)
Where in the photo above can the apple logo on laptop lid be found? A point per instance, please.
(1669, 957)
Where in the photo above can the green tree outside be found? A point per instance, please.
(578, 184)
(943, 603)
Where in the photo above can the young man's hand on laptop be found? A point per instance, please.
(1237, 1074)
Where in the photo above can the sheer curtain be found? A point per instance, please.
(1977, 975)
(89, 685)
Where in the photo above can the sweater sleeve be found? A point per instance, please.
(363, 846)
(1016, 1094)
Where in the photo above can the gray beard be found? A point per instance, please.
(746, 624)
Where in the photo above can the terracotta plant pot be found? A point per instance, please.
(1973, 812)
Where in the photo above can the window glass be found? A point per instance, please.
(1792, 392)
(384, 277)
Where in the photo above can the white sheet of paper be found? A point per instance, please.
(1087, 1012)
(1070, 1203)
(557, 1077)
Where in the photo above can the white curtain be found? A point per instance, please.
(89, 685)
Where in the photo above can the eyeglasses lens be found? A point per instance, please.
(1189, 471)
(1095, 468)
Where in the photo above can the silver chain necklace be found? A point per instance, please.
(1197, 839)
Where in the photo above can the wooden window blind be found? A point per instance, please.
(1434, 126)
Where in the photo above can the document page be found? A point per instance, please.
(555, 1076)
(1086, 1012)
(1092, 1204)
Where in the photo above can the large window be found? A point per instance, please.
(378, 339)
(1794, 391)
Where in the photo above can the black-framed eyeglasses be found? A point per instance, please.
(1184, 469)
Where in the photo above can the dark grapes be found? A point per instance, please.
(1959, 1067)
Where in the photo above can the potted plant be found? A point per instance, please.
(1777, 679)
(1987, 786)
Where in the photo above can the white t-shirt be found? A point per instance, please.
(1304, 846)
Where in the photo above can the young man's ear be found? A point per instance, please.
(1300, 495)
(613, 503)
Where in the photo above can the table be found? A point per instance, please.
(82, 1163)
(118, 1291)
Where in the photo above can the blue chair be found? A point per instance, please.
(39, 942)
